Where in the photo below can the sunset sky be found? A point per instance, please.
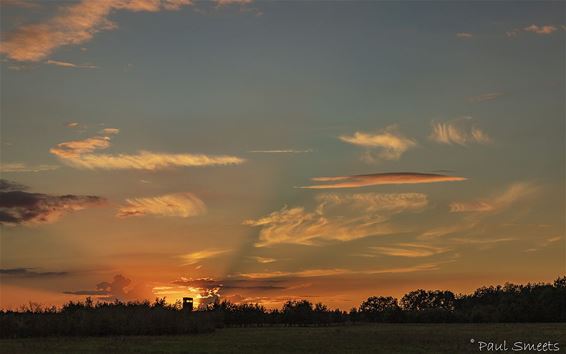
(267, 151)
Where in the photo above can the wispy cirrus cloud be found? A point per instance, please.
(410, 250)
(327, 272)
(74, 23)
(20, 207)
(464, 35)
(74, 148)
(13, 167)
(79, 154)
(381, 179)
(199, 256)
(389, 143)
(336, 218)
(65, 64)
(458, 131)
(503, 200)
(183, 205)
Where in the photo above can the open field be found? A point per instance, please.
(378, 338)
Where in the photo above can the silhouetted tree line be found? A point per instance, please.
(539, 302)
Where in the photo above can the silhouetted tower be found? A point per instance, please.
(188, 304)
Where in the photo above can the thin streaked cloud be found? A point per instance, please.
(65, 64)
(183, 205)
(79, 154)
(458, 131)
(14, 167)
(503, 200)
(199, 256)
(381, 179)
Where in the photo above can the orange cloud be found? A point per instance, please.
(78, 154)
(501, 201)
(74, 24)
(195, 257)
(380, 179)
(411, 250)
(74, 148)
(338, 271)
(389, 141)
(541, 29)
(181, 205)
(459, 132)
(145, 160)
(336, 218)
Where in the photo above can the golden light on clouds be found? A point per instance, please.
(74, 24)
(364, 215)
(458, 131)
(381, 179)
(183, 205)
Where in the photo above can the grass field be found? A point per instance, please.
(379, 338)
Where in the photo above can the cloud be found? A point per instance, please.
(545, 243)
(381, 179)
(74, 24)
(229, 284)
(72, 124)
(65, 64)
(78, 154)
(464, 35)
(14, 167)
(336, 218)
(458, 131)
(390, 143)
(145, 160)
(110, 131)
(73, 149)
(339, 271)
(20, 207)
(512, 194)
(485, 97)
(264, 260)
(411, 250)
(232, 2)
(199, 256)
(29, 273)
(284, 151)
(544, 29)
(183, 205)
(120, 288)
